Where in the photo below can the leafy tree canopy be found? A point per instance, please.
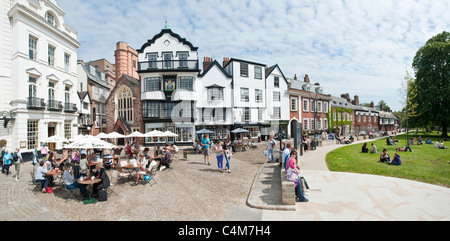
(431, 88)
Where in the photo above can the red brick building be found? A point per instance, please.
(123, 105)
(308, 103)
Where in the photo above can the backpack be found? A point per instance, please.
(15, 157)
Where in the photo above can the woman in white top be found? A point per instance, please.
(141, 169)
(70, 180)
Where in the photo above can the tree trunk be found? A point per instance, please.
(444, 129)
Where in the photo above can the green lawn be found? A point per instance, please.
(425, 163)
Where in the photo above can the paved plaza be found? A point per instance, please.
(195, 191)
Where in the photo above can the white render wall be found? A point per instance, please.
(28, 18)
(214, 77)
(174, 46)
(284, 102)
(252, 84)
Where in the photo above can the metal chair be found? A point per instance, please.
(71, 193)
(37, 185)
(150, 176)
(115, 176)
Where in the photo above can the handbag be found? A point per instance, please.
(102, 195)
(49, 190)
(291, 175)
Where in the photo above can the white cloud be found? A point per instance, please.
(362, 47)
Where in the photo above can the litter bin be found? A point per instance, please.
(314, 144)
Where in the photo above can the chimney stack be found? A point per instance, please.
(381, 107)
(306, 78)
(295, 76)
(207, 61)
(225, 61)
(371, 104)
(356, 100)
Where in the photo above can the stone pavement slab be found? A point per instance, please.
(348, 196)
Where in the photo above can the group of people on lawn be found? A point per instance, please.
(384, 157)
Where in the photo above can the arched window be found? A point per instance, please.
(51, 19)
(124, 104)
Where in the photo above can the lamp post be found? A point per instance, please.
(318, 90)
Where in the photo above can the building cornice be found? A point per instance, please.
(21, 10)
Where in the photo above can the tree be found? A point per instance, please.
(431, 87)
(382, 103)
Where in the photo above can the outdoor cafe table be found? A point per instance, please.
(50, 175)
(90, 182)
(131, 170)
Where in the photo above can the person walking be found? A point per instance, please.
(44, 151)
(227, 154)
(18, 160)
(219, 156)
(7, 160)
(271, 143)
(205, 148)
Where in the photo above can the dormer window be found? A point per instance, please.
(50, 19)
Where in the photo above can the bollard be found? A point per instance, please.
(185, 155)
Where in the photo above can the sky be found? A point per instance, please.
(360, 47)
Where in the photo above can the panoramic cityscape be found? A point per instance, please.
(107, 103)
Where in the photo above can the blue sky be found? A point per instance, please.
(360, 47)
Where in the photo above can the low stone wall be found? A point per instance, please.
(287, 190)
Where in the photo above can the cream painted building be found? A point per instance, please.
(38, 73)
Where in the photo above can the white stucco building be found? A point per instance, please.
(168, 68)
(278, 105)
(38, 73)
(249, 95)
(214, 109)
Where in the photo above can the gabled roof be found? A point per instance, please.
(83, 94)
(122, 80)
(243, 61)
(164, 31)
(272, 68)
(215, 63)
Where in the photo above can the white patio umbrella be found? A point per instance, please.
(154, 133)
(102, 135)
(90, 142)
(136, 134)
(55, 139)
(113, 135)
(169, 134)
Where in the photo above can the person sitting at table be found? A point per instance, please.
(70, 180)
(51, 159)
(39, 176)
(158, 153)
(145, 152)
(75, 157)
(93, 161)
(142, 167)
(83, 165)
(174, 149)
(166, 160)
(49, 177)
(59, 163)
(99, 172)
